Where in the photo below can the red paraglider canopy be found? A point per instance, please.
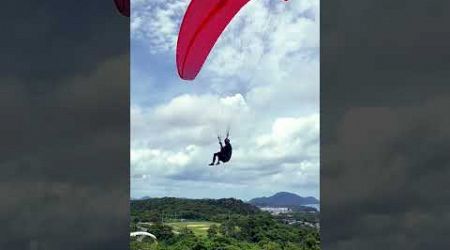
(123, 6)
(202, 25)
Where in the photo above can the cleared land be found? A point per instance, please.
(198, 227)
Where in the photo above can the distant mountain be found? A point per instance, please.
(138, 199)
(284, 199)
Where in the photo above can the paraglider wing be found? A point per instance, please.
(123, 6)
(142, 234)
(202, 25)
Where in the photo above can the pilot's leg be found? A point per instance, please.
(216, 155)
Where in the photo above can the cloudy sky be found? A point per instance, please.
(261, 79)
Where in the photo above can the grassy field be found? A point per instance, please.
(198, 227)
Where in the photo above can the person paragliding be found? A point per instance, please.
(224, 155)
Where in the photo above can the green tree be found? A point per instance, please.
(270, 246)
(162, 232)
(212, 231)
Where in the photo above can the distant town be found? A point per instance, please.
(276, 210)
(286, 215)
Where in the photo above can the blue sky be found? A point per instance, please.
(261, 78)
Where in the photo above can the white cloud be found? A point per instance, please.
(156, 22)
(176, 142)
(185, 118)
(289, 135)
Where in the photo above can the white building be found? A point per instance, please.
(276, 210)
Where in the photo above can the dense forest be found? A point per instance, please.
(207, 224)
(152, 210)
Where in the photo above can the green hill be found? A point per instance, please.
(284, 199)
(155, 209)
(209, 224)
